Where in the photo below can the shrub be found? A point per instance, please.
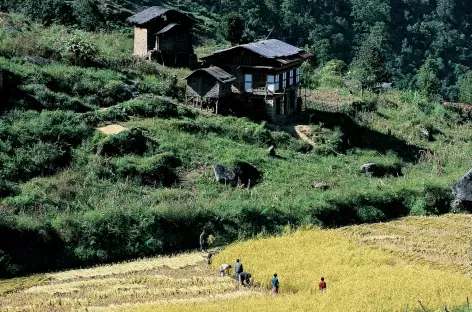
(38, 159)
(79, 50)
(328, 142)
(465, 87)
(150, 106)
(8, 188)
(125, 142)
(364, 105)
(155, 170)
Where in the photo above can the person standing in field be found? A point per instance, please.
(245, 277)
(275, 284)
(203, 241)
(322, 285)
(238, 269)
(224, 269)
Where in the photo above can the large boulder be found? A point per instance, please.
(462, 190)
(378, 170)
(247, 174)
(224, 174)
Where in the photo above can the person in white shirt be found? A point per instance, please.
(224, 269)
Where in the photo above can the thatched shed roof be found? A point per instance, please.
(218, 73)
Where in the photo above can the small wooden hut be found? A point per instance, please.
(164, 35)
(209, 87)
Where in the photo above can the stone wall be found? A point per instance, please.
(140, 41)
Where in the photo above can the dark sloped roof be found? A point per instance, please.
(167, 28)
(271, 48)
(217, 73)
(147, 15)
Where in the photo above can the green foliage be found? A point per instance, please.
(328, 142)
(232, 28)
(79, 50)
(8, 188)
(465, 87)
(332, 74)
(125, 142)
(370, 66)
(428, 82)
(150, 106)
(88, 14)
(155, 170)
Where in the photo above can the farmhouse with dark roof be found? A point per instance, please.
(264, 77)
(164, 35)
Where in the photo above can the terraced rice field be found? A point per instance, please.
(160, 281)
(378, 267)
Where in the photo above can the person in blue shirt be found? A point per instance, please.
(275, 284)
(238, 269)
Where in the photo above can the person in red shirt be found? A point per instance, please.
(322, 284)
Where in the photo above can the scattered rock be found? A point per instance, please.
(321, 185)
(11, 28)
(457, 205)
(224, 174)
(131, 92)
(370, 168)
(462, 190)
(376, 170)
(427, 134)
(247, 174)
(243, 173)
(38, 60)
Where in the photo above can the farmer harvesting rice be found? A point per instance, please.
(322, 284)
(244, 277)
(238, 269)
(224, 269)
(275, 284)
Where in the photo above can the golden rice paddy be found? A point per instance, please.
(379, 267)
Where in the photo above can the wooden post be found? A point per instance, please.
(216, 110)
(468, 306)
(422, 307)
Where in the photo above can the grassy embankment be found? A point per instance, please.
(74, 197)
(377, 267)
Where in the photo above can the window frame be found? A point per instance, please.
(284, 80)
(291, 76)
(270, 82)
(297, 75)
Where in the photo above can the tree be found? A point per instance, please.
(369, 65)
(427, 79)
(233, 28)
(465, 87)
(88, 15)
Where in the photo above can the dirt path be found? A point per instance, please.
(297, 130)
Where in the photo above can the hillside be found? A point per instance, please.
(72, 196)
(380, 267)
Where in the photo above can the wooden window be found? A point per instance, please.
(277, 83)
(248, 82)
(291, 78)
(277, 106)
(297, 75)
(284, 80)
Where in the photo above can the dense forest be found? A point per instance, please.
(417, 44)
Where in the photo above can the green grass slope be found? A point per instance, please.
(71, 196)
